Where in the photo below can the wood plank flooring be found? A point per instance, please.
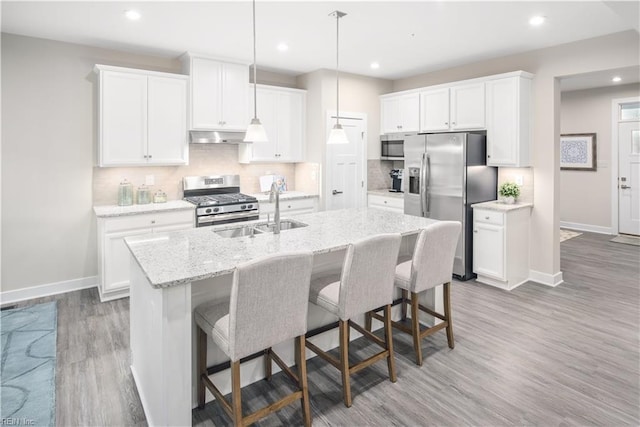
(535, 356)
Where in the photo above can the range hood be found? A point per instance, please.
(215, 137)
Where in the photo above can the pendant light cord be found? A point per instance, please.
(255, 90)
(337, 68)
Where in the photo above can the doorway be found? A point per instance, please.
(345, 178)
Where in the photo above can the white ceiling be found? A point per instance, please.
(600, 79)
(406, 38)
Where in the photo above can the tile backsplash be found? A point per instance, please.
(378, 173)
(526, 189)
(204, 159)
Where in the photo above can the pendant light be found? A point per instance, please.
(337, 135)
(255, 130)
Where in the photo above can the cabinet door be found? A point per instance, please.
(467, 107)
(206, 94)
(167, 121)
(488, 250)
(265, 151)
(390, 115)
(502, 122)
(409, 112)
(234, 97)
(123, 118)
(116, 259)
(434, 110)
(290, 124)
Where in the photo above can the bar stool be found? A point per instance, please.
(430, 266)
(366, 283)
(258, 317)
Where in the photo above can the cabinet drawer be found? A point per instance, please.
(149, 220)
(376, 201)
(488, 217)
(289, 206)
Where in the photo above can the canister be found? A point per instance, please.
(125, 193)
(144, 195)
(160, 197)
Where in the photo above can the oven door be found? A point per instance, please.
(207, 220)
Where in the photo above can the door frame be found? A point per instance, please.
(615, 114)
(330, 116)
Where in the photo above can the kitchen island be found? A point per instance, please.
(172, 273)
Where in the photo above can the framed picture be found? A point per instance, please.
(578, 152)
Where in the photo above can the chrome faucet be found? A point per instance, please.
(276, 218)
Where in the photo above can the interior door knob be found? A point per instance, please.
(334, 192)
(624, 187)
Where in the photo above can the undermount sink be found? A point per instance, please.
(260, 228)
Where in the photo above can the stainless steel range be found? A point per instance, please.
(218, 199)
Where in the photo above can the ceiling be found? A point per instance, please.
(405, 38)
(600, 79)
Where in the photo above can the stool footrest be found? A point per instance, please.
(261, 413)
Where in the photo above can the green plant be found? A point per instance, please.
(509, 189)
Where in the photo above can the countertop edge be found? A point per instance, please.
(496, 205)
(386, 193)
(112, 211)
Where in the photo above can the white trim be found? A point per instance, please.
(552, 280)
(615, 120)
(48, 289)
(586, 227)
(143, 397)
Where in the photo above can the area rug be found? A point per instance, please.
(568, 234)
(627, 240)
(28, 368)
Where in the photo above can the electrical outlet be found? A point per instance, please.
(149, 180)
(519, 180)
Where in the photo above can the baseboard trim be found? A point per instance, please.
(546, 279)
(586, 227)
(48, 289)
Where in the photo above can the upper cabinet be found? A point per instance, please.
(455, 108)
(142, 117)
(218, 94)
(282, 113)
(509, 121)
(399, 113)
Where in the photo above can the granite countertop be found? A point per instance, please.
(180, 257)
(115, 210)
(496, 205)
(386, 193)
(287, 195)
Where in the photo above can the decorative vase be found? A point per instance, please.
(509, 200)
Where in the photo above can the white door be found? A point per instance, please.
(410, 112)
(390, 115)
(488, 250)
(235, 114)
(167, 106)
(206, 93)
(467, 107)
(434, 110)
(345, 166)
(629, 177)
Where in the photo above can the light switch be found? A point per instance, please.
(519, 180)
(149, 180)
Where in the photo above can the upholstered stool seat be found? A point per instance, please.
(256, 318)
(365, 283)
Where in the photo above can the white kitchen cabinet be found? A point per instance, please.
(509, 121)
(282, 112)
(501, 246)
(218, 93)
(399, 113)
(113, 254)
(289, 208)
(390, 203)
(455, 108)
(142, 117)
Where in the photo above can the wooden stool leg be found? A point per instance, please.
(301, 361)
(236, 396)
(367, 321)
(403, 310)
(415, 327)
(202, 366)
(391, 364)
(447, 314)
(344, 362)
(267, 364)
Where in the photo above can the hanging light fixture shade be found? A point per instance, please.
(337, 134)
(255, 130)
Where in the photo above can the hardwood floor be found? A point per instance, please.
(533, 356)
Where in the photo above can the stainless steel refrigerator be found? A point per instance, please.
(445, 173)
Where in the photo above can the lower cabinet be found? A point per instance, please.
(289, 208)
(501, 246)
(390, 203)
(113, 254)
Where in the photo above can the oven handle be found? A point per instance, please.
(223, 217)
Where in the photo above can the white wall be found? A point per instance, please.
(602, 53)
(585, 196)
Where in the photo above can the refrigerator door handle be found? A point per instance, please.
(427, 208)
(423, 185)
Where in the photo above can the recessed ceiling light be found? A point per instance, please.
(283, 47)
(133, 15)
(375, 65)
(537, 20)
(616, 79)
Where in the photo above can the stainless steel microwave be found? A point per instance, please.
(392, 145)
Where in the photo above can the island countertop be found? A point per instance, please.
(180, 257)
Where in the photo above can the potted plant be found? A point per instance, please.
(509, 192)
